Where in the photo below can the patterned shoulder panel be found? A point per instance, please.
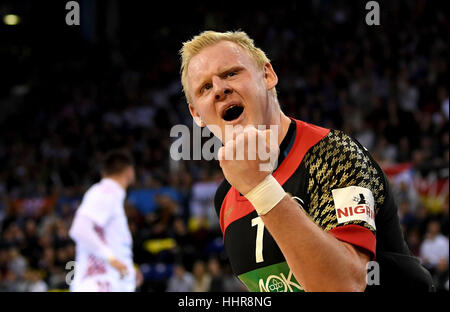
(337, 161)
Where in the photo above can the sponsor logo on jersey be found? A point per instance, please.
(279, 283)
(272, 278)
(228, 212)
(354, 203)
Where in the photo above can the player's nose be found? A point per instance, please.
(221, 89)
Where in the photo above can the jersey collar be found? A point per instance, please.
(116, 186)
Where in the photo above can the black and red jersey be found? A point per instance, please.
(344, 191)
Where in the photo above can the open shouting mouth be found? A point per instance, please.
(232, 112)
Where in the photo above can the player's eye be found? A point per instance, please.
(206, 87)
(231, 74)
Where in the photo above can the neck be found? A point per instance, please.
(120, 180)
(278, 118)
(284, 127)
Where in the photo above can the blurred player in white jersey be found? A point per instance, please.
(104, 257)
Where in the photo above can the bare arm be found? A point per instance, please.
(318, 260)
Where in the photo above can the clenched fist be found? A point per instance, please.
(248, 157)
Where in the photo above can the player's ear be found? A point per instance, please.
(198, 120)
(270, 77)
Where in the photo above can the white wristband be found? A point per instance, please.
(266, 195)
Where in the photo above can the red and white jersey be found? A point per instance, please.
(103, 203)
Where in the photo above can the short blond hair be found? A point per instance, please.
(208, 38)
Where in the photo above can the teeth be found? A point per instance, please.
(230, 107)
(226, 109)
(232, 112)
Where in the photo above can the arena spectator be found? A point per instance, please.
(180, 281)
(435, 247)
(202, 279)
(217, 281)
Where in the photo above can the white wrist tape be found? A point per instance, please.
(266, 195)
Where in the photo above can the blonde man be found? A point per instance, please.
(311, 222)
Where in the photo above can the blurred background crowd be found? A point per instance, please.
(68, 94)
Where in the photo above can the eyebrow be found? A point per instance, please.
(221, 72)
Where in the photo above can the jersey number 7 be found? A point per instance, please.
(259, 238)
